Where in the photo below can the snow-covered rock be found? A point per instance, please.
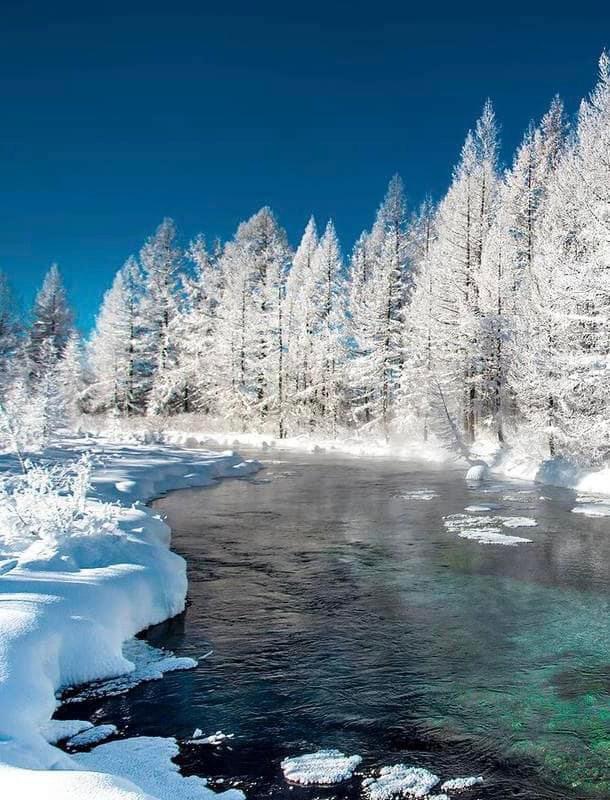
(477, 472)
(322, 768)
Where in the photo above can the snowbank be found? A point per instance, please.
(65, 613)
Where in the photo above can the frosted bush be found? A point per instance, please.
(49, 503)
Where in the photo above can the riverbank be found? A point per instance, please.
(67, 606)
(518, 461)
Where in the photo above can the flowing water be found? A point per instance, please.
(342, 612)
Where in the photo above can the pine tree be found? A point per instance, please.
(10, 335)
(161, 261)
(52, 323)
(118, 381)
(378, 292)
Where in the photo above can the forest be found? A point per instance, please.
(486, 313)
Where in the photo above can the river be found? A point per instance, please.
(343, 612)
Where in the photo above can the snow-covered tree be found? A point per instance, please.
(161, 261)
(10, 335)
(251, 323)
(52, 322)
(300, 318)
(329, 333)
(118, 381)
(378, 291)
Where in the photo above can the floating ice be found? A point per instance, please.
(419, 494)
(214, 739)
(491, 536)
(400, 781)
(91, 736)
(459, 784)
(150, 664)
(474, 509)
(487, 529)
(322, 768)
(519, 522)
(592, 509)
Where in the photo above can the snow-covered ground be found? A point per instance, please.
(68, 606)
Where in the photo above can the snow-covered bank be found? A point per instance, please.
(513, 462)
(67, 607)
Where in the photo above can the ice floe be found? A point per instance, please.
(323, 768)
(592, 507)
(214, 739)
(460, 784)
(487, 529)
(419, 494)
(400, 781)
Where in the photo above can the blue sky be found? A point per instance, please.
(116, 115)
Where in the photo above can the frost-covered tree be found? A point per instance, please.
(329, 333)
(70, 378)
(10, 335)
(251, 323)
(561, 379)
(378, 290)
(52, 322)
(118, 381)
(455, 263)
(161, 262)
(300, 316)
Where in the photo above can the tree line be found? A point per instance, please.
(488, 311)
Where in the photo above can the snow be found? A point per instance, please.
(487, 529)
(146, 761)
(68, 607)
(55, 730)
(476, 509)
(322, 768)
(459, 784)
(149, 664)
(477, 472)
(93, 735)
(400, 781)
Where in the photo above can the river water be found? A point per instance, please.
(342, 612)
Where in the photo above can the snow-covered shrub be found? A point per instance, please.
(48, 503)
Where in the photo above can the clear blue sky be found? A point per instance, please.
(117, 114)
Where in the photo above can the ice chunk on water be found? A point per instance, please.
(486, 529)
(322, 768)
(419, 494)
(91, 736)
(400, 781)
(476, 508)
(214, 739)
(519, 522)
(593, 509)
(459, 784)
(57, 729)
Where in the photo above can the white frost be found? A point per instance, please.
(400, 781)
(322, 768)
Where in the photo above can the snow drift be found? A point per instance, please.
(67, 607)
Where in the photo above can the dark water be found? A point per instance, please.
(343, 614)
